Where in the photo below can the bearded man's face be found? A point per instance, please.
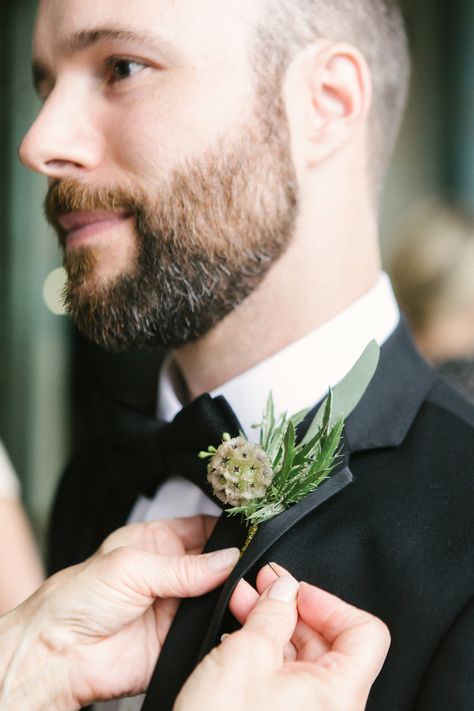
(171, 185)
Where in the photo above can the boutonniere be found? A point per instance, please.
(260, 481)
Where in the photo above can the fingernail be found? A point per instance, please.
(285, 589)
(223, 560)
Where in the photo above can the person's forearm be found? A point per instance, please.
(18, 555)
(9, 639)
(32, 676)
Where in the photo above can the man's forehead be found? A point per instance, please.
(188, 22)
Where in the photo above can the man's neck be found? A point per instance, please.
(300, 293)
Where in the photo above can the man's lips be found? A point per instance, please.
(79, 226)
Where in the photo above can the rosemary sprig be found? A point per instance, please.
(299, 468)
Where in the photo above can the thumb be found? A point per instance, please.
(192, 575)
(273, 619)
(115, 588)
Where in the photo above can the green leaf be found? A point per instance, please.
(318, 472)
(288, 456)
(276, 438)
(329, 450)
(309, 451)
(348, 393)
(327, 411)
(269, 421)
(320, 422)
(299, 417)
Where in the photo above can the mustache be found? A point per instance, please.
(68, 195)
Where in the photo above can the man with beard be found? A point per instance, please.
(214, 169)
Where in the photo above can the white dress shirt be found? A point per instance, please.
(298, 376)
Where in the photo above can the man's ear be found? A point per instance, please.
(328, 92)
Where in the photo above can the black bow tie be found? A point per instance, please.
(163, 449)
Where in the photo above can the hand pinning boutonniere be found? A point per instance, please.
(260, 481)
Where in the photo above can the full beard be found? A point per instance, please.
(204, 241)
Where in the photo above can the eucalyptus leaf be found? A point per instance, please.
(348, 393)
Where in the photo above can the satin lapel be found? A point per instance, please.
(180, 650)
(268, 534)
(394, 397)
(200, 618)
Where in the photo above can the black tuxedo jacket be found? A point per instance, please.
(390, 532)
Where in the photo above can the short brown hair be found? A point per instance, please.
(375, 27)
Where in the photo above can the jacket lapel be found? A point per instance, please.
(396, 393)
(200, 618)
(382, 419)
(267, 535)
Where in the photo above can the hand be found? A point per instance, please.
(338, 652)
(96, 630)
(186, 536)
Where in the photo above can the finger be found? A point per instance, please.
(272, 621)
(243, 600)
(360, 638)
(131, 579)
(245, 597)
(155, 537)
(165, 612)
(268, 574)
(193, 531)
(191, 575)
(309, 644)
(209, 524)
(306, 645)
(168, 537)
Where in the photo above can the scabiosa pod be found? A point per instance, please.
(239, 472)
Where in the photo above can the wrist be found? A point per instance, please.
(10, 636)
(32, 674)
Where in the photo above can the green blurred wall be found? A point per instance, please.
(34, 357)
(435, 154)
(459, 92)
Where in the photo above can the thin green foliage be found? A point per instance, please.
(299, 467)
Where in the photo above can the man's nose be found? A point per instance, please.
(62, 142)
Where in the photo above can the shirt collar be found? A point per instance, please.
(300, 374)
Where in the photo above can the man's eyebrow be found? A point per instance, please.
(83, 39)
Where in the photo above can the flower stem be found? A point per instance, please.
(252, 531)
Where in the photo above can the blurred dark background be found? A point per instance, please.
(49, 374)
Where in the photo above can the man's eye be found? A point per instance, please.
(120, 69)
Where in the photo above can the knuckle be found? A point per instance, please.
(119, 555)
(122, 558)
(234, 643)
(267, 620)
(381, 629)
(186, 572)
(257, 642)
